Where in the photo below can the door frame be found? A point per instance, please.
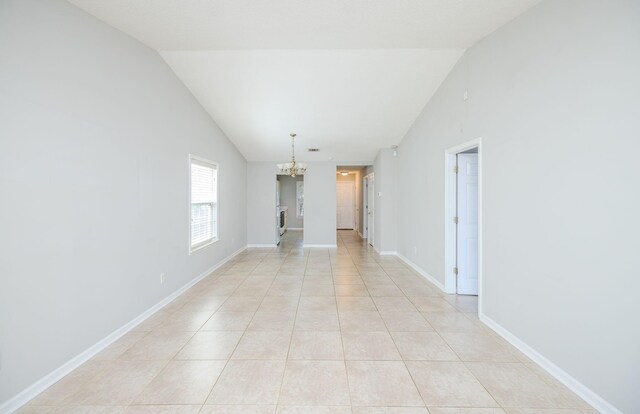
(450, 212)
(352, 184)
(369, 180)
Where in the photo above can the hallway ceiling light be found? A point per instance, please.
(345, 173)
(292, 168)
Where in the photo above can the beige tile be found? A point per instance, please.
(515, 385)
(115, 350)
(317, 321)
(241, 304)
(369, 346)
(350, 303)
(317, 303)
(238, 409)
(313, 410)
(479, 347)
(432, 304)
(427, 346)
(405, 322)
(272, 321)
(210, 345)
(316, 345)
(448, 384)
(279, 303)
(393, 304)
(361, 321)
(544, 411)
(314, 383)
(445, 410)
(263, 345)
(157, 346)
(450, 322)
(381, 383)
(118, 383)
(228, 321)
(182, 382)
(163, 409)
(351, 290)
(83, 409)
(390, 410)
(377, 289)
(248, 382)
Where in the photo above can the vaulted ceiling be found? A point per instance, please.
(348, 76)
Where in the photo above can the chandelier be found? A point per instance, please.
(293, 168)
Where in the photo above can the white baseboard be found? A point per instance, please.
(558, 373)
(42, 384)
(387, 253)
(251, 246)
(320, 246)
(422, 272)
(294, 228)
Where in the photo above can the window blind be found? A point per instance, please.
(204, 198)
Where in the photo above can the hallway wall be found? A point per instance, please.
(554, 96)
(95, 135)
(320, 203)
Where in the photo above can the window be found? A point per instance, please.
(300, 199)
(203, 203)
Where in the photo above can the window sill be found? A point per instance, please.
(193, 249)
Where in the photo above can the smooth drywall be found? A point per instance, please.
(288, 197)
(554, 96)
(386, 198)
(261, 203)
(320, 204)
(95, 135)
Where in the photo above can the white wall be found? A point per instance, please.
(554, 96)
(288, 198)
(386, 199)
(320, 204)
(261, 203)
(94, 142)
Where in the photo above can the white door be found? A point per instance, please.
(370, 209)
(345, 199)
(467, 228)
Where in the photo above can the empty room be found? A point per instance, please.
(323, 207)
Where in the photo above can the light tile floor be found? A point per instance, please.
(292, 330)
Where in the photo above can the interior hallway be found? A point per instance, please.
(283, 329)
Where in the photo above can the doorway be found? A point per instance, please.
(463, 219)
(345, 205)
(289, 205)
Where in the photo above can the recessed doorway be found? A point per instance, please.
(463, 219)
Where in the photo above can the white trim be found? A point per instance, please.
(294, 228)
(48, 380)
(319, 246)
(558, 373)
(251, 246)
(387, 253)
(450, 212)
(422, 272)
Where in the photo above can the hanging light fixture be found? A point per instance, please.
(293, 168)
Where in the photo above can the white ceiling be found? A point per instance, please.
(349, 76)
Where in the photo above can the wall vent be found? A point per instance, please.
(314, 149)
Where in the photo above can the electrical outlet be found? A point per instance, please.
(162, 278)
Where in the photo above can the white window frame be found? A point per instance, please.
(216, 237)
(299, 213)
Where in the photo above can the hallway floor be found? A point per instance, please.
(289, 330)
